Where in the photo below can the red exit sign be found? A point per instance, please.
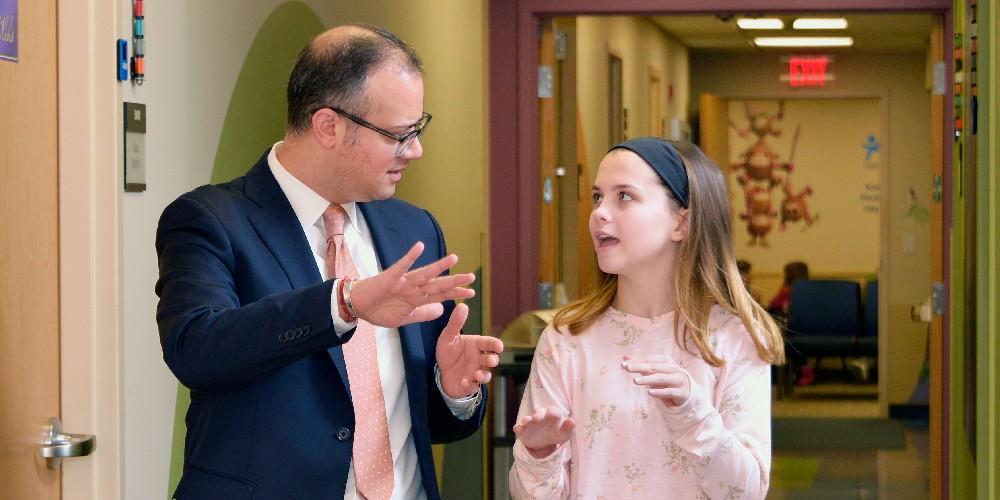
(808, 71)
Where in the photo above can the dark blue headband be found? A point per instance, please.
(666, 162)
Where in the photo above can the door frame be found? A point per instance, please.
(90, 176)
(513, 149)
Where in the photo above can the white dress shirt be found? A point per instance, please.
(309, 207)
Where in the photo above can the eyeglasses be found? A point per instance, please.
(404, 141)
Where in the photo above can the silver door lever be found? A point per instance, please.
(57, 446)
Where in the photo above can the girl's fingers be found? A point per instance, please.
(658, 380)
(667, 393)
(648, 368)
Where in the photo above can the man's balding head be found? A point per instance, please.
(333, 69)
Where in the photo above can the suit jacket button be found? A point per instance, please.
(343, 434)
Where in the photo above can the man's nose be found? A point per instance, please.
(415, 151)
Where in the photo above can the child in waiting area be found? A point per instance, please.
(794, 271)
(657, 384)
(744, 267)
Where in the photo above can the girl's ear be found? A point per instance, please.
(680, 232)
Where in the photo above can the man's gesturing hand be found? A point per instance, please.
(465, 360)
(399, 296)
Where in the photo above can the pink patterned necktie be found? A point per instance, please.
(372, 453)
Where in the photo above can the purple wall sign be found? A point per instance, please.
(8, 30)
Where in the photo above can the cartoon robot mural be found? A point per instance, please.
(759, 171)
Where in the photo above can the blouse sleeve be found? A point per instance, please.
(547, 387)
(731, 441)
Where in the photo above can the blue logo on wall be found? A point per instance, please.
(871, 146)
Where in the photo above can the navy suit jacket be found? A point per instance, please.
(245, 323)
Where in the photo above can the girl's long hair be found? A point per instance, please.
(706, 273)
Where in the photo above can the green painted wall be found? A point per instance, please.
(988, 354)
(257, 110)
(962, 469)
(254, 120)
(976, 478)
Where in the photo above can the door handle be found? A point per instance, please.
(56, 445)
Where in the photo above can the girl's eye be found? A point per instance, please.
(624, 196)
(595, 197)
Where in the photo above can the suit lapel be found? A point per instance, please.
(279, 229)
(390, 247)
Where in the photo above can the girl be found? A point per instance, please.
(656, 384)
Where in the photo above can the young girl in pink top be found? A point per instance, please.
(657, 384)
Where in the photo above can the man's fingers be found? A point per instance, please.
(487, 345)
(406, 262)
(456, 321)
(489, 360)
(483, 376)
(453, 294)
(442, 284)
(432, 270)
(426, 312)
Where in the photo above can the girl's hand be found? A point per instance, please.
(665, 379)
(543, 431)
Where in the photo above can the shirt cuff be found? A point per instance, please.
(542, 467)
(682, 418)
(340, 327)
(462, 408)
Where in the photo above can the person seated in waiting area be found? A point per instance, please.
(744, 267)
(794, 271)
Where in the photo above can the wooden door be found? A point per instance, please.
(713, 128)
(938, 402)
(29, 254)
(548, 150)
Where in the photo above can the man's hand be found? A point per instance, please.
(663, 377)
(465, 361)
(399, 296)
(542, 431)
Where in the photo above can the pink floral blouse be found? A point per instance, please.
(628, 444)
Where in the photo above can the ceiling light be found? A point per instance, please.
(760, 23)
(816, 23)
(803, 41)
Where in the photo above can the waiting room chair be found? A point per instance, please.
(824, 319)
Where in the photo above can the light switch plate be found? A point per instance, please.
(135, 147)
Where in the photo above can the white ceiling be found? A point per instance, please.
(871, 32)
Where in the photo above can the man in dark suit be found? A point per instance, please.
(310, 313)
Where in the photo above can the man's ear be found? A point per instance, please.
(680, 232)
(327, 125)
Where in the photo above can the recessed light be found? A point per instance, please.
(817, 23)
(760, 23)
(803, 41)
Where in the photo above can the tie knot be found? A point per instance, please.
(334, 217)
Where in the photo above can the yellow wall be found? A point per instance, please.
(828, 134)
(906, 150)
(645, 51)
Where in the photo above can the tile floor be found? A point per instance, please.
(847, 474)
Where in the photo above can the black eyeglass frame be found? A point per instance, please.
(403, 139)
